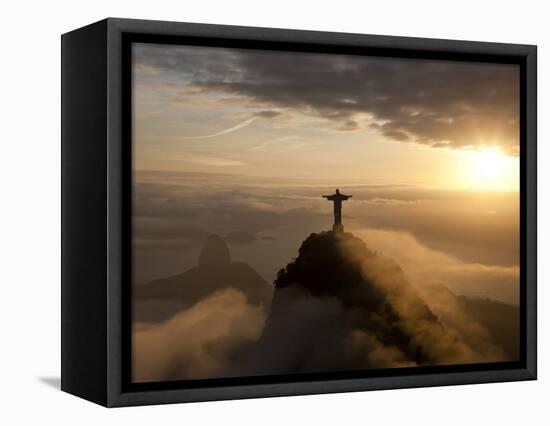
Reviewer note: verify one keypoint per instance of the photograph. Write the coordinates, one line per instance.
(280, 214)
(298, 212)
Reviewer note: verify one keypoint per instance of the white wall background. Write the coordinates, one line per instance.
(30, 212)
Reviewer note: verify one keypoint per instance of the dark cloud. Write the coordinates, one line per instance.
(267, 114)
(452, 104)
(348, 126)
(439, 103)
(198, 63)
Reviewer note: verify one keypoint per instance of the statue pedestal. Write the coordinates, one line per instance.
(337, 227)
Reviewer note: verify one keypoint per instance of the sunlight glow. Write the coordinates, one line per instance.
(489, 170)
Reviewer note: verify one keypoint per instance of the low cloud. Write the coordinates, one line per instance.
(200, 342)
(474, 227)
(428, 267)
(453, 338)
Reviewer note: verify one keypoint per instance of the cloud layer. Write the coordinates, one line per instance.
(437, 103)
(365, 316)
(471, 239)
(199, 342)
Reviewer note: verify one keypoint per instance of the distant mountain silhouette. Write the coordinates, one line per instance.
(214, 252)
(161, 299)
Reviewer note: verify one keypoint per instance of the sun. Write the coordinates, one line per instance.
(489, 165)
(489, 169)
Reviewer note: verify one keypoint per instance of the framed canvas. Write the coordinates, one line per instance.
(253, 212)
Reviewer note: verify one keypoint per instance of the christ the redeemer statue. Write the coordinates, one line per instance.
(337, 199)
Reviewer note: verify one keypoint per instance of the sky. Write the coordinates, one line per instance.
(243, 143)
(343, 118)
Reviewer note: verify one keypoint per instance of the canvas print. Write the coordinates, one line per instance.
(298, 212)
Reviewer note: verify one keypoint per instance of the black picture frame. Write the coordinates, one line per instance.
(96, 207)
